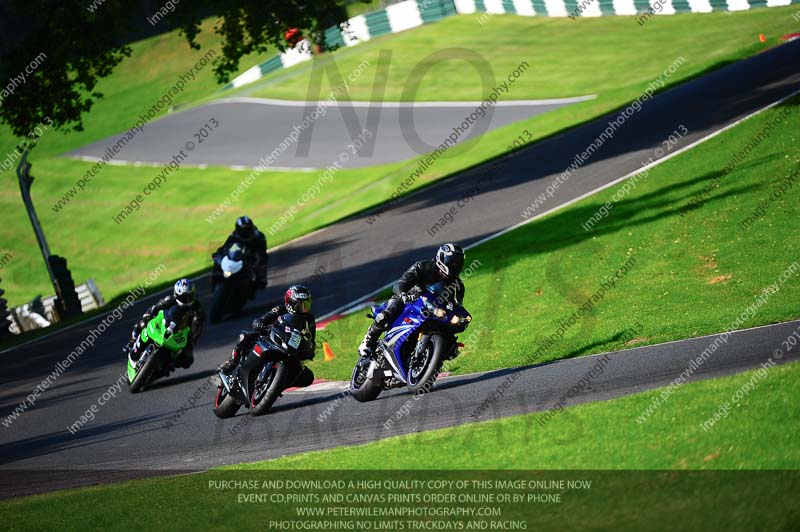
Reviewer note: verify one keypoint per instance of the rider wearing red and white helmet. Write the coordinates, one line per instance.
(297, 301)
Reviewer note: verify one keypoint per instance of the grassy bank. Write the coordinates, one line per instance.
(603, 435)
(691, 268)
(564, 57)
(586, 438)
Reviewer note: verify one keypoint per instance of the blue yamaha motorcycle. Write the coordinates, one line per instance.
(414, 348)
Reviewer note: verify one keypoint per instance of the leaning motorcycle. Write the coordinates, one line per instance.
(270, 367)
(413, 350)
(233, 282)
(153, 354)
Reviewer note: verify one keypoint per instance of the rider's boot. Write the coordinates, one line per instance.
(243, 346)
(370, 341)
(228, 365)
(137, 331)
(132, 340)
(132, 348)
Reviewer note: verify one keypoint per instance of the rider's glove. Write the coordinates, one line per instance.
(257, 324)
(167, 333)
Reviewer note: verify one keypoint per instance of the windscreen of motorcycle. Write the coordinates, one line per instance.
(445, 294)
(230, 267)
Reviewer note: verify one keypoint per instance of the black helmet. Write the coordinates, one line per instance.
(297, 299)
(450, 260)
(245, 229)
(184, 292)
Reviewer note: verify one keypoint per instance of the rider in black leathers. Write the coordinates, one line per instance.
(183, 295)
(247, 235)
(446, 266)
(297, 301)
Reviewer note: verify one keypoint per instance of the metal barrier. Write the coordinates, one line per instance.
(40, 313)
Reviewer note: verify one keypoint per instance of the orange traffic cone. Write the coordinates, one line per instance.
(326, 349)
(762, 38)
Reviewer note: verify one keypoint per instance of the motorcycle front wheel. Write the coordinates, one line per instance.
(144, 373)
(423, 368)
(218, 299)
(224, 405)
(362, 388)
(266, 393)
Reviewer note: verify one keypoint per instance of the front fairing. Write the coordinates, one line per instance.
(296, 333)
(407, 326)
(230, 268)
(264, 355)
(157, 327)
(421, 317)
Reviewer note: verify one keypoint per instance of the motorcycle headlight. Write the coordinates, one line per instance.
(226, 274)
(454, 320)
(439, 313)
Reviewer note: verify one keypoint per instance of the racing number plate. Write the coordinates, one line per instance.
(294, 340)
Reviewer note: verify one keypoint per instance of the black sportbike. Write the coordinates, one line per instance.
(275, 363)
(233, 281)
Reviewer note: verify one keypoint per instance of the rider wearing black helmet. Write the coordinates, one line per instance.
(445, 266)
(246, 234)
(183, 295)
(296, 301)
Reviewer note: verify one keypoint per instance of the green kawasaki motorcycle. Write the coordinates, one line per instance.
(154, 352)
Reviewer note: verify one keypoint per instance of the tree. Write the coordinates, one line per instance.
(53, 52)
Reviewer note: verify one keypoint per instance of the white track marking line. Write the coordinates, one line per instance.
(360, 103)
(343, 385)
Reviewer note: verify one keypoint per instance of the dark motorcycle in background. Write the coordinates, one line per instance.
(274, 364)
(233, 282)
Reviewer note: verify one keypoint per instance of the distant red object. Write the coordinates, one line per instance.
(791, 37)
(293, 36)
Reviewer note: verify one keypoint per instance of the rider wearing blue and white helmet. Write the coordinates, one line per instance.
(190, 312)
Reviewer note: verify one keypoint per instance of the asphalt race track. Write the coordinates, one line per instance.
(128, 437)
(241, 131)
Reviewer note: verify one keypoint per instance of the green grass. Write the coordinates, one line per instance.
(565, 56)
(119, 256)
(693, 274)
(359, 7)
(602, 435)
(115, 255)
(135, 85)
(586, 438)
